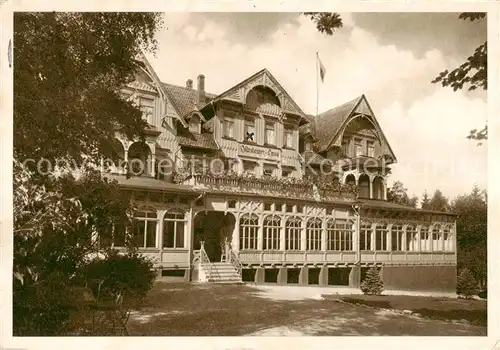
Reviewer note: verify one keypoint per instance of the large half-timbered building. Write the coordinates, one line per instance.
(243, 185)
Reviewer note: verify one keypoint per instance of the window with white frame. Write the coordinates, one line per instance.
(147, 107)
(339, 235)
(370, 149)
(411, 238)
(115, 237)
(269, 135)
(293, 229)
(249, 132)
(448, 239)
(146, 222)
(249, 228)
(358, 147)
(425, 245)
(381, 237)
(173, 229)
(228, 127)
(397, 238)
(272, 229)
(313, 234)
(365, 235)
(288, 137)
(436, 238)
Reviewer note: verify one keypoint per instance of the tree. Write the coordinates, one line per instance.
(372, 284)
(472, 232)
(472, 73)
(398, 194)
(67, 105)
(326, 22)
(69, 70)
(425, 201)
(438, 202)
(466, 284)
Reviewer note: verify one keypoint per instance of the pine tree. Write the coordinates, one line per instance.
(372, 284)
(424, 204)
(466, 284)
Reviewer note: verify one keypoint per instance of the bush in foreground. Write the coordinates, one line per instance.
(372, 284)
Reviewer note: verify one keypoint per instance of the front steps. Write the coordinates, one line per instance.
(219, 272)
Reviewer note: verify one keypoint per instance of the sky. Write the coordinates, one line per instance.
(390, 57)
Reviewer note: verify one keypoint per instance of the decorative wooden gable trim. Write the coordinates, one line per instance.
(362, 108)
(239, 92)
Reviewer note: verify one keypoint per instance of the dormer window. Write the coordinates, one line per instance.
(194, 125)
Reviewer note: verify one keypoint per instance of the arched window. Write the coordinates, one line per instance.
(116, 160)
(350, 180)
(381, 237)
(365, 238)
(411, 238)
(139, 159)
(249, 228)
(272, 229)
(313, 234)
(424, 239)
(293, 231)
(339, 235)
(448, 239)
(174, 224)
(378, 188)
(436, 238)
(397, 238)
(146, 222)
(364, 186)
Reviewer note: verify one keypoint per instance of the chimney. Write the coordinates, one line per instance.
(189, 83)
(201, 88)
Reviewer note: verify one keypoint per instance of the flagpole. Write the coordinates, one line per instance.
(317, 83)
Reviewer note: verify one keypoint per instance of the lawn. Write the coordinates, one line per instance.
(473, 311)
(186, 309)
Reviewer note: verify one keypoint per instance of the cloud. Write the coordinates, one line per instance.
(422, 121)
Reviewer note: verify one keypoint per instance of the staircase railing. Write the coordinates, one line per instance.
(233, 258)
(205, 260)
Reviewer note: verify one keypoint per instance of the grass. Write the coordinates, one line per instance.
(474, 311)
(185, 309)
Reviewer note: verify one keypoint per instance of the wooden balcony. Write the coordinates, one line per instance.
(270, 187)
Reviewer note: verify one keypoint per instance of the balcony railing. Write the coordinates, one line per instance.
(287, 187)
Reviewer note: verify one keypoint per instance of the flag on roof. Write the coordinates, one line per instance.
(322, 70)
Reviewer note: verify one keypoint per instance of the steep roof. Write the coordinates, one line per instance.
(184, 99)
(328, 123)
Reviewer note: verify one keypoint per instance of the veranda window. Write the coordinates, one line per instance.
(411, 238)
(272, 229)
(448, 239)
(313, 234)
(436, 238)
(293, 230)
(339, 235)
(146, 223)
(397, 238)
(173, 229)
(249, 228)
(115, 237)
(365, 235)
(381, 237)
(424, 239)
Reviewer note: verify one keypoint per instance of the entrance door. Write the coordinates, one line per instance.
(212, 227)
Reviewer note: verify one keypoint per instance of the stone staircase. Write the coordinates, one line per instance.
(219, 272)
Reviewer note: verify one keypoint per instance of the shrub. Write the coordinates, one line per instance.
(130, 274)
(466, 284)
(372, 284)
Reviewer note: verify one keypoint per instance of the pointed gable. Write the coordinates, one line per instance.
(330, 125)
(264, 78)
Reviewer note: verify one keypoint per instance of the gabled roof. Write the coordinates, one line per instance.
(184, 99)
(329, 125)
(265, 78)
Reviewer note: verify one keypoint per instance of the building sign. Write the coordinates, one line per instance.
(259, 152)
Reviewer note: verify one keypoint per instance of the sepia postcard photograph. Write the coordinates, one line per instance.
(247, 174)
